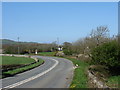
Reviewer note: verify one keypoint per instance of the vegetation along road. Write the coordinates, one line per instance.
(54, 73)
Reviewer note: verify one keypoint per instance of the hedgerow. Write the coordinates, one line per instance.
(107, 54)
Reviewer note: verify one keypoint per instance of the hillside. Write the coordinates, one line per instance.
(7, 41)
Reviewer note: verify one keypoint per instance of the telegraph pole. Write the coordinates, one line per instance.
(58, 41)
(18, 46)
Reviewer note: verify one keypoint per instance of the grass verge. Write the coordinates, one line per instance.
(80, 79)
(47, 53)
(114, 81)
(22, 69)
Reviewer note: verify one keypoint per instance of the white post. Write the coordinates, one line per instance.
(36, 51)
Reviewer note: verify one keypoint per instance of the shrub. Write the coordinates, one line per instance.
(67, 52)
(107, 54)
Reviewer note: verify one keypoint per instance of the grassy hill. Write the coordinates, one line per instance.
(7, 41)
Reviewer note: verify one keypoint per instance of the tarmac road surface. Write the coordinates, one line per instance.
(54, 73)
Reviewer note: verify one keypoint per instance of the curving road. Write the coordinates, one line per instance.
(54, 73)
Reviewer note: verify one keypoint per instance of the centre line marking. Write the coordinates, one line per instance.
(33, 77)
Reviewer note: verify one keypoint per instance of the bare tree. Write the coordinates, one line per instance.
(100, 35)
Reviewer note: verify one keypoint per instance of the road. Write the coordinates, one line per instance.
(54, 73)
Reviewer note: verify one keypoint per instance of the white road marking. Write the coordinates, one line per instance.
(33, 77)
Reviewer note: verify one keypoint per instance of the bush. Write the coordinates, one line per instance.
(67, 52)
(107, 54)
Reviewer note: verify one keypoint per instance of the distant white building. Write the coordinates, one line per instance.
(60, 48)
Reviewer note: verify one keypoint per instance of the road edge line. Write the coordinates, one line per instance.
(33, 77)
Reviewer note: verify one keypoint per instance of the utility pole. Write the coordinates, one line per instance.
(18, 46)
(58, 41)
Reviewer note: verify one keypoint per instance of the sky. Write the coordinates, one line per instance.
(44, 22)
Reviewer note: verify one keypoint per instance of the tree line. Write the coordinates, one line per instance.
(28, 48)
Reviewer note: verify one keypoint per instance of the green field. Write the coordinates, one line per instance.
(47, 53)
(8, 60)
(11, 60)
(22, 69)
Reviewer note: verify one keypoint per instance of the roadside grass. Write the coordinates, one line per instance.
(114, 81)
(8, 60)
(80, 79)
(0, 60)
(47, 53)
(22, 69)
